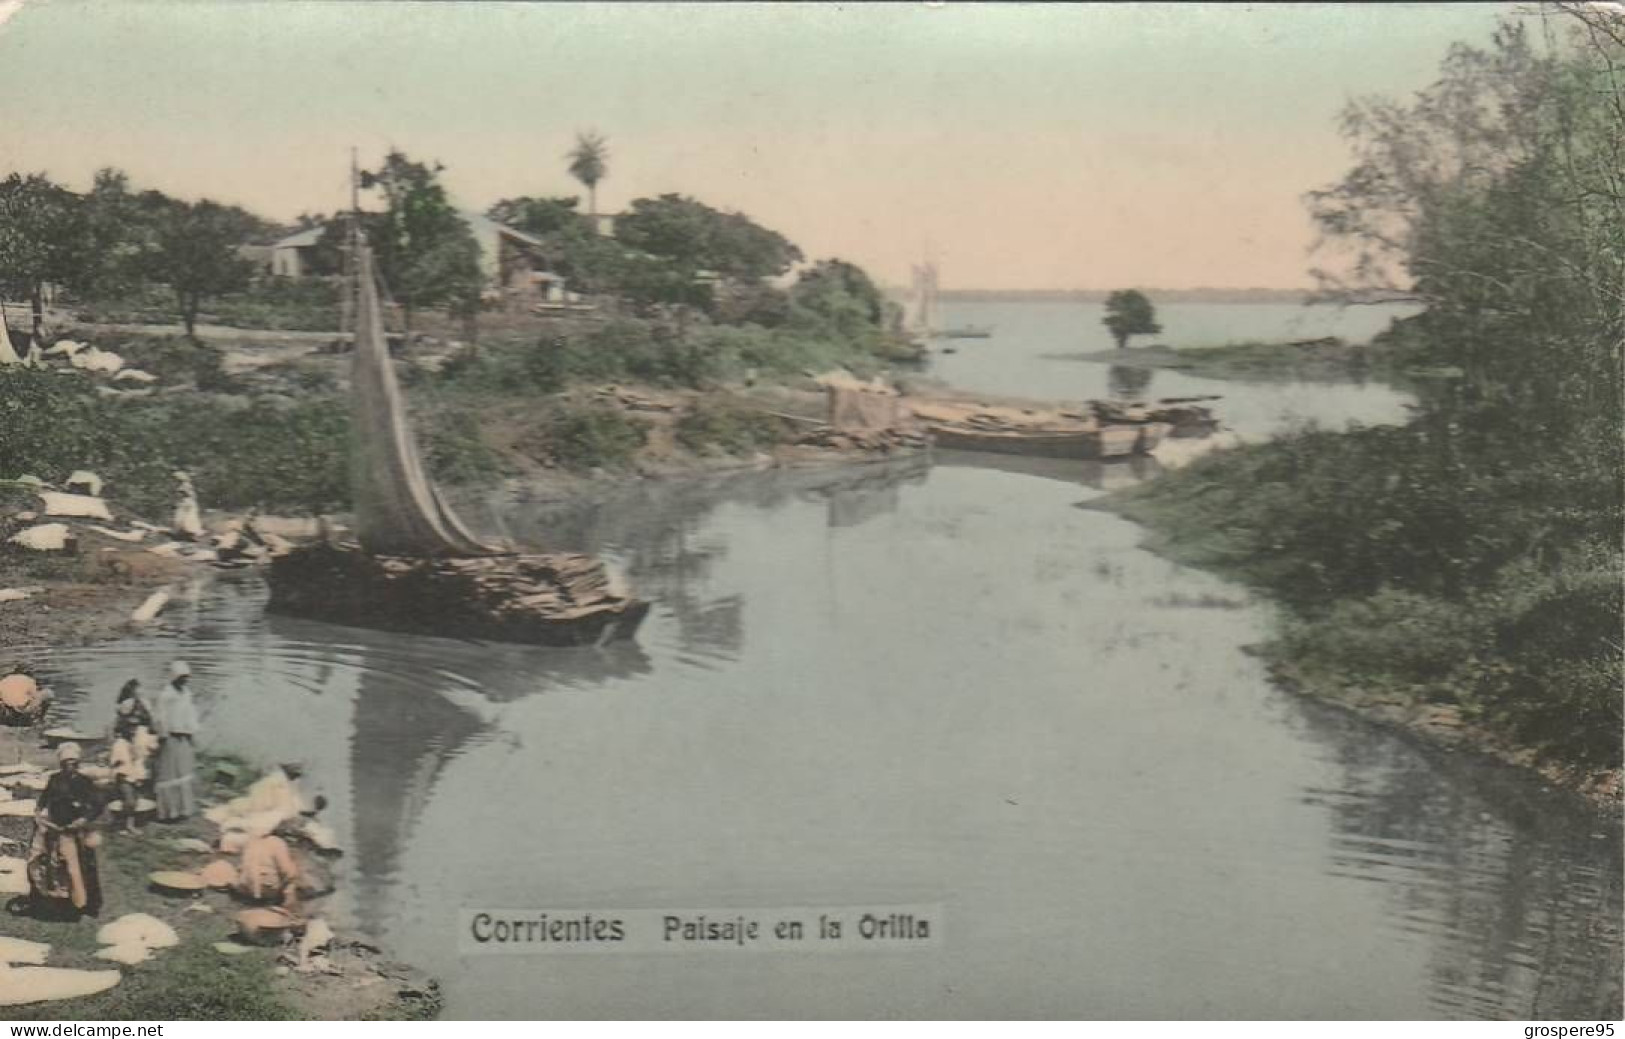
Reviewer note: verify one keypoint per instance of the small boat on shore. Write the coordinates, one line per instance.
(1083, 443)
(966, 332)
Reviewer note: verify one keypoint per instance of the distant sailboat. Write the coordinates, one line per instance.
(924, 312)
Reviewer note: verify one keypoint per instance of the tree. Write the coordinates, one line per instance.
(840, 296)
(425, 251)
(44, 239)
(589, 163)
(695, 236)
(196, 253)
(1129, 313)
(1497, 197)
(538, 216)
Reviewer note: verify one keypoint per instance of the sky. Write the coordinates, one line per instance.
(1016, 145)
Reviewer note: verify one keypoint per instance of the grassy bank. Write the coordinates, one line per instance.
(193, 981)
(274, 435)
(1319, 360)
(1448, 570)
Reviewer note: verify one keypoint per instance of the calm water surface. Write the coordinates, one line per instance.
(1035, 347)
(945, 685)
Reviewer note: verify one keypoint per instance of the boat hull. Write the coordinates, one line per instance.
(1090, 445)
(545, 600)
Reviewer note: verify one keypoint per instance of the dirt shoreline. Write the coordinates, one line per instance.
(1443, 727)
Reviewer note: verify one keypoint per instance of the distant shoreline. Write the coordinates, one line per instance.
(1198, 295)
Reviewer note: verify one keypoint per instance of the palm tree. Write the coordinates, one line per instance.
(589, 163)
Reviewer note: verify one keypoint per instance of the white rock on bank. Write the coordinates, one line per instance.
(151, 608)
(86, 479)
(18, 950)
(13, 875)
(120, 535)
(75, 506)
(138, 929)
(47, 537)
(21, 985)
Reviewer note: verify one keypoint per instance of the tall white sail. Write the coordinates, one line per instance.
(397, 510)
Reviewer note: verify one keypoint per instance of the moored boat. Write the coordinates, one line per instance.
(1084, 443)
(966, 332)
(414, 565)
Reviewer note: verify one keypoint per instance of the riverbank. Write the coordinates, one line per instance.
(89, 598)
(1312, 360)
(205, 975)
(1396, 557)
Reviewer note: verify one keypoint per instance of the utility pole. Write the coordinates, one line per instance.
(348, 250)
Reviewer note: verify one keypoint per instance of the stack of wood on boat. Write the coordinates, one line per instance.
(884, 441)
(554, 599)
(968, 426)
(1185, 418)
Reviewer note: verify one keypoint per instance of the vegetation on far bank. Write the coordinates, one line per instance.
(684, 297)
(1470, 558)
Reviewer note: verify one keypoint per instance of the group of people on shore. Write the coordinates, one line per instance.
(152, 752)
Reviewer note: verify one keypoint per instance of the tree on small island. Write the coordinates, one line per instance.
(1129, 313)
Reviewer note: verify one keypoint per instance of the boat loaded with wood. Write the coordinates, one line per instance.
(1102, 430)
(414, 566)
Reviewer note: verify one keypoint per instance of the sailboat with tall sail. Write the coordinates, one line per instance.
(415, 566)
(924, 311)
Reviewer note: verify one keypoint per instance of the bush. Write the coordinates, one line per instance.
(456, 453)
(587, 436)
(241, 454)
(728, 427)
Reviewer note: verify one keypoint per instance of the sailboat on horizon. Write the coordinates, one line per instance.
(924, 311)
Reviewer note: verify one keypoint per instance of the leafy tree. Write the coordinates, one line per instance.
(195, 254)
(44, 239)
(589, 163)
(695, 236)
(1497, 197)
(426, 253)
(1129, 313)
(539, 216)
(840, 296)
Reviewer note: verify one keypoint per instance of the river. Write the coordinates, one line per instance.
(941, 686)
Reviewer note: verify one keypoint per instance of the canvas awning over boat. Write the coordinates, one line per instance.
(397, 510)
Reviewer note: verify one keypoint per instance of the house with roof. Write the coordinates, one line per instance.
(290, 257)
(514, 263)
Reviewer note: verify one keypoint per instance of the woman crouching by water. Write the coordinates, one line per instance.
(175, 783)
(62, 874)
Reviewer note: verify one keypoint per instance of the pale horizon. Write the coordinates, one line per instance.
(1020, 147)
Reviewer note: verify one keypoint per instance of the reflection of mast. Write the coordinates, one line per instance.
(404, 737)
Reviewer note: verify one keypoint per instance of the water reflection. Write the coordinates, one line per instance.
(907, 686)
(1517, 888)
(402, 736)
(1129, 383)
(1098, 475)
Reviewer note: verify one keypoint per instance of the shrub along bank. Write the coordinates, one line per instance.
(1463, 560)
